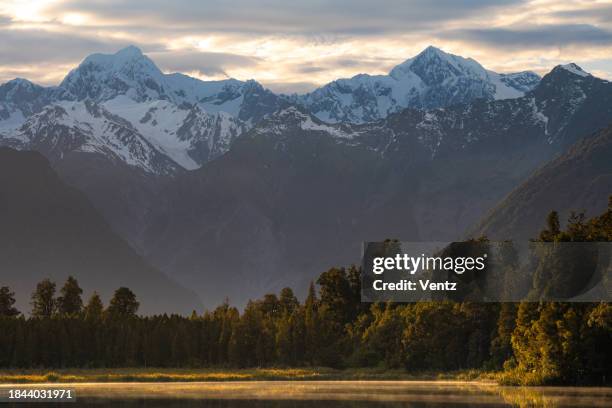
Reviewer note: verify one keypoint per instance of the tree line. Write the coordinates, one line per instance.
(531, 342)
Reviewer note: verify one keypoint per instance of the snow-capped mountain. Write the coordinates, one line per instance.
(20, 98)
(87, 127)
(156, 136)
(432, 79)
(186, 120)
(117, 126)
(103, 77)
(190, 122)
(417, 175)
(565, 102)
(186, 133)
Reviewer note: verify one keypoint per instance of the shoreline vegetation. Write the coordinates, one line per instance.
(160, 375)
(65, 340)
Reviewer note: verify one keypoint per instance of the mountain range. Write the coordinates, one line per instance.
(235, 191)
(123, 106)
(432, 79)
(295, 195)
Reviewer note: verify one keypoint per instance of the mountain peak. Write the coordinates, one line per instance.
(126, 56)
(23, 94)
(104, 76)
(431, 50)
(130, 50)
(434, 66)
(19, 85)
(431, 79)
(561, 75)
(19, 82)
(574, 69)
(424, 57)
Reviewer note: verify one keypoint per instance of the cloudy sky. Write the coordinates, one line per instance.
(295, 47)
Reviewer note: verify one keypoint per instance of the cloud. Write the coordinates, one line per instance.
(313, 17)
(600, 13)
(35, 46)
(309, 69)
(204, 63)
(293, 46)
(551, 35)
(290, 87)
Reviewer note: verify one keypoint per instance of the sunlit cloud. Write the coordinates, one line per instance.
(27, 11)
(294, 47)
(76, 19)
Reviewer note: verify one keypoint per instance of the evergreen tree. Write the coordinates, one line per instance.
(337, 296)
(382, 340)
(435, 336)
(353, 275)
(501, 346)
(269, 306)
(123, 304)
(70, 302)
(553, 227)
(288, 302)
(245, 339)
(311, 324)
(43, 300)
(94, 308)
(7, 302)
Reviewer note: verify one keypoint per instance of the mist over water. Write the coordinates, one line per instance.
(327, 394)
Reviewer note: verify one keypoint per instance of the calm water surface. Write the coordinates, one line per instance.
(324, 394)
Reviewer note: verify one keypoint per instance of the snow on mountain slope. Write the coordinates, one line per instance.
(558, 110)
(157, 136)
(214, 96)
(188, 135)
(69, 127)
(293, 119)
(189, 121)
(103, 77)
(20, 98)
(575, 69)
(432, 79)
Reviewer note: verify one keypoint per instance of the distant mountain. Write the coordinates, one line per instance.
(233, 190)
(123, 106)
(155, 136)
(578, 180)
(104, 77)
(50, 230)
(191, 122)
(288, 200)
(432, 79)
(295, 195)
(20, 99)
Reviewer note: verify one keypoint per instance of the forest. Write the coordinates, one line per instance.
(528, 343)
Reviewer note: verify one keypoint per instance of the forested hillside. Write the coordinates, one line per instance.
(533, 343)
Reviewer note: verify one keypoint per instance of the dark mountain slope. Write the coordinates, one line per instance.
(51, 230)
(275, 211)
(294, 195)
(580, 179)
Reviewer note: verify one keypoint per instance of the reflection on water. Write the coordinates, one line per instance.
(327, 394)
(257, 404)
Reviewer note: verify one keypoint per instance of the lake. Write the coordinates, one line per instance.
(323, 394)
